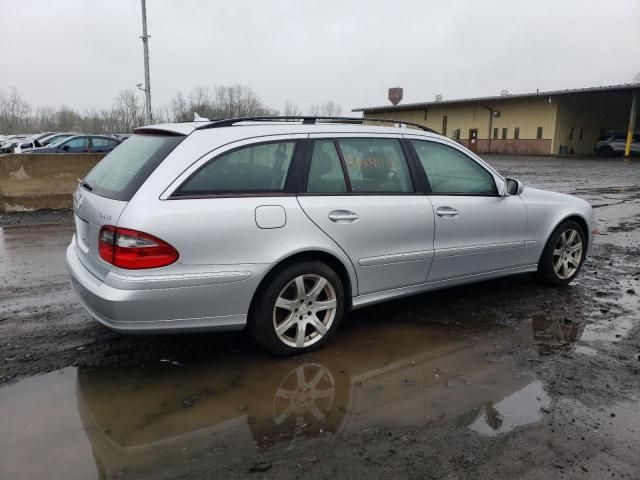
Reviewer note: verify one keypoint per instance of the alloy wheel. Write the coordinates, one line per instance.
(304, 310)
(567, 253)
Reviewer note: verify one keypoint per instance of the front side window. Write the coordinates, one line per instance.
(254, 168)
(450, 172)
(376, 165)
(325, 171)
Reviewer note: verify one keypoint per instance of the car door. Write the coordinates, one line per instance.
(477, 229)
(75, 145)
(99, 145)
(360, 192)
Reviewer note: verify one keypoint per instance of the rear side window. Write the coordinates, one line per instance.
(119, 175)
(251, 169)
(325, 171)
(99, 141)
(376, 165)
(450, 172)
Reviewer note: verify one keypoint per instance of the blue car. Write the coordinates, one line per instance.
(79, 144)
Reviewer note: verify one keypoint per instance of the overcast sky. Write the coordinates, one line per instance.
(82, 52)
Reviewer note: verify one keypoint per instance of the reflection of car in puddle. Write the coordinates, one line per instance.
(305, 396)
(408, 375)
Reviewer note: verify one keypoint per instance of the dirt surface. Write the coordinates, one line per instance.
(503, 379)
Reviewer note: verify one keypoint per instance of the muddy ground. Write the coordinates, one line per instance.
(503, 379)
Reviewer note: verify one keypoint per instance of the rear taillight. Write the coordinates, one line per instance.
(131, 249)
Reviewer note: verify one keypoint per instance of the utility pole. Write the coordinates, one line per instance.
(147, 84)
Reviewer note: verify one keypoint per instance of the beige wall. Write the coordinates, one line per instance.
(39, 181)
(527, 114)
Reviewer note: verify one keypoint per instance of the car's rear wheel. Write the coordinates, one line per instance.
(606, 151)
(299, 309)
(563, 254)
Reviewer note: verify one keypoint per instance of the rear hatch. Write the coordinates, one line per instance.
(105, 192)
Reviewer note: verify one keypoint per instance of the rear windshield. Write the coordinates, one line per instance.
(119, 175)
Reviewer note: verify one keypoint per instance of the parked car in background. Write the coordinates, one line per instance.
(283, 227)
(31, 142)
(121, 136)
(11, 143)
(79, 144)
(55, 137)
(615, 143)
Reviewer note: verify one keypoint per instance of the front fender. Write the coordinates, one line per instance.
(545, 211)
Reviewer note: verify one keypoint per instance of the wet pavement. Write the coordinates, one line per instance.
(503, 379)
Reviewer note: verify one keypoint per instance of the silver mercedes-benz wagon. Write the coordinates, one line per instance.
(283, 226)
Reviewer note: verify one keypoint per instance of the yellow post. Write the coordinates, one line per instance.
(632, 124)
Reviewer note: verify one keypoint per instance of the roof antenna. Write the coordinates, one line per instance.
(198, 118)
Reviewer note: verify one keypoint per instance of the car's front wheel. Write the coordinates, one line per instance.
(299, 309)
(605, 151)
(563, 254)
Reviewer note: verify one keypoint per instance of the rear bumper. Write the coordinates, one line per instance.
(179, 308)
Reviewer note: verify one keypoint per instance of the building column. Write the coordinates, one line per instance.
(632, 123)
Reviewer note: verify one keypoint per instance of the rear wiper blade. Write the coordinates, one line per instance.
(85, 185)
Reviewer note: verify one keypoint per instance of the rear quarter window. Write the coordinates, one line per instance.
(120, 174)
(254, 168)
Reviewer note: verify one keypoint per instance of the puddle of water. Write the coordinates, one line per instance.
(519, 408)
(94, 423)
(553, 334)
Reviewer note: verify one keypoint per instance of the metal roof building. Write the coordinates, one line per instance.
(552, 122)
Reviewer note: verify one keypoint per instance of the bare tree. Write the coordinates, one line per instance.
(326, 109)
(13, 111)
(45, 119)
(201, 102)
(179, 108)
(162, 114)
(128, 111)
(291, 109)
(67, 120)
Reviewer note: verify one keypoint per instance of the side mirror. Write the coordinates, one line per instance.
(513, 186)
(65, 147)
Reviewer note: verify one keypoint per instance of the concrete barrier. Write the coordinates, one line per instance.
(30, 181)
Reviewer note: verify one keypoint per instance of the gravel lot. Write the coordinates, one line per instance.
(504, 379)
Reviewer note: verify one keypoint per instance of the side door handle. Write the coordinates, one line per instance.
(447, 212)
(343, 216)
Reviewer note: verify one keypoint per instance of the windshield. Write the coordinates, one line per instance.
(55, 140)
(119, 175)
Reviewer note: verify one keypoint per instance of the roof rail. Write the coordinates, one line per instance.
(307, 120)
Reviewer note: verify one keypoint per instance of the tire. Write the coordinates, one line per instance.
(553, 270)
(296, 310)
(605, 151)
